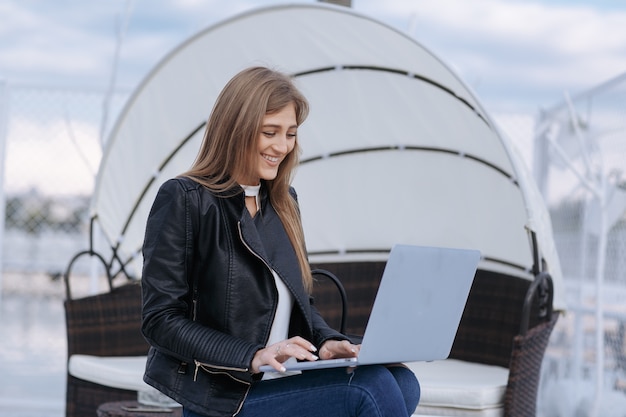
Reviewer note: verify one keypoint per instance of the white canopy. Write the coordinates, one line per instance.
(396, 148)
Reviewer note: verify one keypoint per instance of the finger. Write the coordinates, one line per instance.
(286, 349)
(299, 352)
(266, 356)
(300, 348)
(275, 355)
(327, 352)
(276, 365)
(302, 342)
(338, 349)
(281, 349)
(349, 348)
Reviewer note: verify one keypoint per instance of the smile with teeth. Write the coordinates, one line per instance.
(273, 159)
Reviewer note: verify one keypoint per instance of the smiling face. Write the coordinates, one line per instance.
(276, 140)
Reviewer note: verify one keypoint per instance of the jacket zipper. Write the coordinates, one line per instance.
(205, 367)
(269, 268)
(249, 248)
(213, 369)
(252, 251)
(209, 368)
(243, 401)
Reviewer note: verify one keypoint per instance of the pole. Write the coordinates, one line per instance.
(541, 158)
(586, 95)
(601, 258)
(346, 3)
(4, 108)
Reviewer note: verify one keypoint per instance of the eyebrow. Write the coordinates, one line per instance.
(279, 126)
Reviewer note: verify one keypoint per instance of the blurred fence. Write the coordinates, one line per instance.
(580, 167)
(52, 149)
(53, 141)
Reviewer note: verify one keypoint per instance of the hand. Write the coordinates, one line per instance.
(274, 355)
(332, 349)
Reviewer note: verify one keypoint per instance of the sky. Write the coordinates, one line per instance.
(517, 55)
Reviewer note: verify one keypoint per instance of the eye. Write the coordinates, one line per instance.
(292, 135)
(269, 134)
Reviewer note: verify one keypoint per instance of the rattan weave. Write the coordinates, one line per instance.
(525, 369)
(489, 331)
(103, 325)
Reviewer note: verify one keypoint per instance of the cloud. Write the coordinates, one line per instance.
(56, 157)
(504, 48)
(518, 56)
(509, 51)
(73, 42)
(40, 44)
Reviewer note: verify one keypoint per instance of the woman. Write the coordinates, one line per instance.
(226, 282)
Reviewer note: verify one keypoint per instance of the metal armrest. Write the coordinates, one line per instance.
(541, 289)
(342, 293)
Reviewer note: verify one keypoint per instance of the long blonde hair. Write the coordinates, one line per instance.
(230, 139)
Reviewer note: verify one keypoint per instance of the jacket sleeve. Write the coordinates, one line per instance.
(168, 323)
(322, 331)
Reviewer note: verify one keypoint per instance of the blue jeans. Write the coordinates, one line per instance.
(367, 391)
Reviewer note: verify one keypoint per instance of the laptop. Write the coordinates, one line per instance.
(417, 309)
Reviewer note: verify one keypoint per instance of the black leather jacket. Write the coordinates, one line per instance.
(209, 297)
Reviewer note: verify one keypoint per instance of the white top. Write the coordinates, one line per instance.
(252, 191)
(280, 325)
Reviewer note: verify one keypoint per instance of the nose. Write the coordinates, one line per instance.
(281, 144)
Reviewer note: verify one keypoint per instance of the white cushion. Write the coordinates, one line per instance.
(425, 411)
(448, 388)
(452, 387)
(123, 372)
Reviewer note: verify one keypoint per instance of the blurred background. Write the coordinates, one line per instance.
(551, 73)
